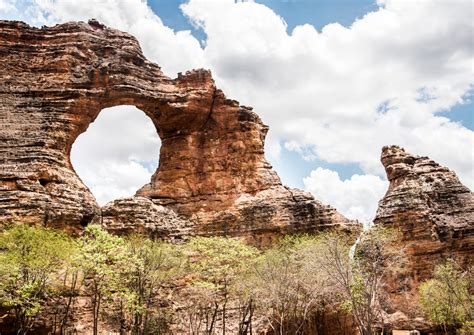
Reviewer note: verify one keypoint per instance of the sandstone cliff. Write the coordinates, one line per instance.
(212, 178)
(435, 214)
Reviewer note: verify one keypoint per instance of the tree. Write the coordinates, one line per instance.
(30, 262)
(104, 258)
(65, 291)
(447, 298)
(157, 264)
(358, 272)
(287, 286)
(215, 263)
(201, 305)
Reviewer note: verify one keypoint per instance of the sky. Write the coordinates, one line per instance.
(335, 80)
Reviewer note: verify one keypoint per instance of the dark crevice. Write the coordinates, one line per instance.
(46, 217)
(86, 219)
(211, 109)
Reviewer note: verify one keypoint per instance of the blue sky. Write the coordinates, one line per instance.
(462, 113)
(291, 167)
(318, 79)
(295, 12)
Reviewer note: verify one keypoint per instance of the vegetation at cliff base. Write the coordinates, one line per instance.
(209, 285)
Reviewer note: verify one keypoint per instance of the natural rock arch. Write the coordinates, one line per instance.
(212, 177)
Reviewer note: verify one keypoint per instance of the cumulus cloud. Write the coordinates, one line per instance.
(344, 92)
(356, 198)
(337, 95)
(109, 180)
(117, 154)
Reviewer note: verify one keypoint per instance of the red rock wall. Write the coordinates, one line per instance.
(212, 178)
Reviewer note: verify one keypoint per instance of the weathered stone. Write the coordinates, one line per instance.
(212, 177)
(435, 214)
(149, 219)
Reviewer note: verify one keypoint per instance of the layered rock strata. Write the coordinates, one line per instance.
(435, 214)
(212, 176)
(434, 211)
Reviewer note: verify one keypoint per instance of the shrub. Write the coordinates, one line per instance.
(31, 259)
(446, 299)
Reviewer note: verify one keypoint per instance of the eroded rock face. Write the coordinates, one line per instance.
(212, 177)
(435, 214)
(259, 218)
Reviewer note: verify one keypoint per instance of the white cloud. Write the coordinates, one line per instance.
(338, 94)
(356, 198)
(109, 180)
(323, 91)
(117, 154)
(7, 6)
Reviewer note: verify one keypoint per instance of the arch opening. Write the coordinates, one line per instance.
(117, 154)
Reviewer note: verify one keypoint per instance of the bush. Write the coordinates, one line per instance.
(446, 299)
(157, 265)
(215, 265)
(31, 260)
(287, 286)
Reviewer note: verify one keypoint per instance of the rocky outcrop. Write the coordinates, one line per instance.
(435, 214)
(149, 219)
(212, 176)
(259, 218)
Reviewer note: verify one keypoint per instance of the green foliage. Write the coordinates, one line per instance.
(105, 259)
(30, 261)
(156, 265)
(356, 271)
(286, 284)
(467, 328)
(217, 261)
(215, 265)
(446, 299)
(135, 279)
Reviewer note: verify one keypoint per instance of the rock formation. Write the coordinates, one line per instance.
(212, 176)
(435, 214)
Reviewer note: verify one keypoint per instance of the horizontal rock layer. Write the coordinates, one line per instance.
(212, 176)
